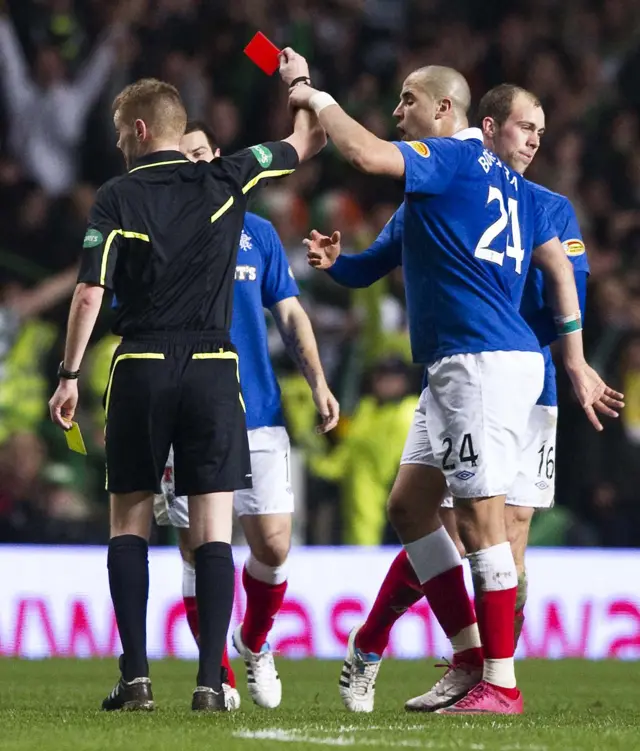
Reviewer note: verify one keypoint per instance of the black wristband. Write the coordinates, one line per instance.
(300, 79)
(69, 375)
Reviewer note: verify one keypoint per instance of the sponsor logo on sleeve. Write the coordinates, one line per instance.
(92, 239)
(573, 247)
(263, 155)
(420, 148)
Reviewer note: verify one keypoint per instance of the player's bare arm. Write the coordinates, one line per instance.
(298, 337)
(322, 251)
(85, 306)
(360, 147)
(590, 389)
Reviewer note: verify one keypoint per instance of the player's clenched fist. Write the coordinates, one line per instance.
(322, 251)
(292, 66)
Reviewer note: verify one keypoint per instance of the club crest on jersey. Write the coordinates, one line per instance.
(420, 148)
(245, 241)
(573, 247)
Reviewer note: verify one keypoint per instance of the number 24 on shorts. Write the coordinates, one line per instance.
(466, 453)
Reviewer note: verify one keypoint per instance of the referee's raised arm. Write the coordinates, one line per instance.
(249, 168)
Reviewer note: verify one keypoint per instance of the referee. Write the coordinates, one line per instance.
(164, 238)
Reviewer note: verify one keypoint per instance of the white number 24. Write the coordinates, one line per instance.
(514, 251)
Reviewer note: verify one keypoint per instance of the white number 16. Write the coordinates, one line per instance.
(514, 251)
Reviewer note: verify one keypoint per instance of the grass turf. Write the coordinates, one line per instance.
(570, 705)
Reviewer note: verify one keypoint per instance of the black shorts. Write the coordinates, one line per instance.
(182, 391)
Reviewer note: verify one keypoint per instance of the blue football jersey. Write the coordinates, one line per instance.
(263, 278)
(470, 225)
(534, 306)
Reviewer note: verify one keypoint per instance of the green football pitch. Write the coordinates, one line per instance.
(570, 705)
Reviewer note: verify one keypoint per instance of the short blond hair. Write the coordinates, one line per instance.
(157, 103)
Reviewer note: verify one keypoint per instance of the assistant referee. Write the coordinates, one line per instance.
(164, 239)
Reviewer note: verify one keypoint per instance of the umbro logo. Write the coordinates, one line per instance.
(465, 475)
(542, 485)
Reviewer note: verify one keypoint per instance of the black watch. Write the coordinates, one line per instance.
(69, 375)
(300, 79)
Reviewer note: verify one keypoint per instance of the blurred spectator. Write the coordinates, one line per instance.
(47, 110)
(365, 461)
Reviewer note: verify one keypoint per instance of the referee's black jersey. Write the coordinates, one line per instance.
(164, 237)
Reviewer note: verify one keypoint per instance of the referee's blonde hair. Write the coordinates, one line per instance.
(156, 102)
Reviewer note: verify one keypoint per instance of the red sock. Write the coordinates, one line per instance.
(448, 599)
(496, 628)
(191, 609)
(398, 592)
(263, 603)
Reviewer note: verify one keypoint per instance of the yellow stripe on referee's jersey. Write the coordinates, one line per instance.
(107, 247)
(222, 209)
(263, 175)
(222, 355)
(158, 164)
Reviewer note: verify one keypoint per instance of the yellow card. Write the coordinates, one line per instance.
(74, 439)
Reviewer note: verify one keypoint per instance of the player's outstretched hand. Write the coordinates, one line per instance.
(594, 395)
(63, 403)
(328, 407)
(322, 251)
(300, 96)
(292, 66)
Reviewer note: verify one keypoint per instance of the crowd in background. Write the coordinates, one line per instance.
(61, 64)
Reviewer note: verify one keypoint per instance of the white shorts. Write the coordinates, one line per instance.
(534, 486)
(271, 492)
(471, 420)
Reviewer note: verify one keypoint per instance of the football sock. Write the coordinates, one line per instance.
(398, 592)
(215, 581)
(191, 610)
(128, 567)
(265, 587)
(494, 571)
(438, 566)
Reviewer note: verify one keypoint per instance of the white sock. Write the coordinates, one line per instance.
(433, 554)
(188, 580)
(268, 574)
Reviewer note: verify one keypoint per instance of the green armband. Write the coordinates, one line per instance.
(568, 324)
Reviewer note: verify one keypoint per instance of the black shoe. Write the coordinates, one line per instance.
(135, 695)
(205, 699)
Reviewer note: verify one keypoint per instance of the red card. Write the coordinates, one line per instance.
(263, 53)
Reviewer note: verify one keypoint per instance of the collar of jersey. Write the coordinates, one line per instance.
(158, 159)
(468, 133)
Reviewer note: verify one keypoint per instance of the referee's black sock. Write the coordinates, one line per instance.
(215, 580)
(129, 584)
